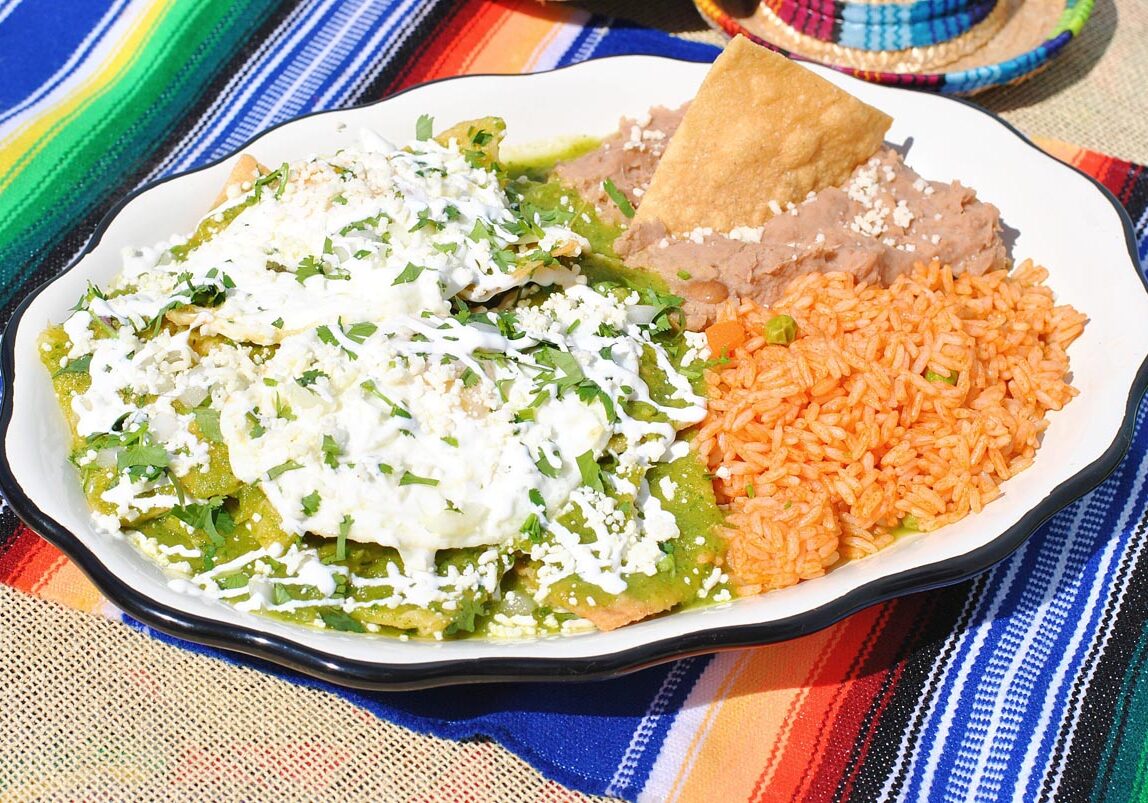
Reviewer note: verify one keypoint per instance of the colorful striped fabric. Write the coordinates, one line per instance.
(1025, 683)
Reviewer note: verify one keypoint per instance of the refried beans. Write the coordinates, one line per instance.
(884, 220)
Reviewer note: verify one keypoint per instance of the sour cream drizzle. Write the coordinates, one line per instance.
(383, 415)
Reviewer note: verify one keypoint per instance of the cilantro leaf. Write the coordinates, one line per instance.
(618, 197)
(207, 420)
(311, 503)
(590, 470)
(341, 544)
(331, 451)
(424, 127)
(413, 479)
(80, 365)
(408, 274)
(339, 620)
(282, 468)
(545, 466)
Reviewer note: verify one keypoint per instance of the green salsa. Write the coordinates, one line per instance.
(208, 523)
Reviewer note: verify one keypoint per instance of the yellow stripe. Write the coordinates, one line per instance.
(719, 698)
(513, 45)
(761, 701)
(24, 143)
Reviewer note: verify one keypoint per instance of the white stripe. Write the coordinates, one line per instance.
(108, 44)
(77, 56)
(963, 671)
(7, 9)
(1003, 713)
(594, 38)
(1100, 644)
(224, 98)
(369, 50)
(1095, 649)
(687, 727)
(317, 60)
(557, 45)
(233, 106)
(641, 737)
(392, 48)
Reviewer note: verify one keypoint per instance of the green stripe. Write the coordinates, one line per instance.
(1122, 764)
(119, 131)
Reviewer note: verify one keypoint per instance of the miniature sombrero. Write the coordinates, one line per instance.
(953, 46)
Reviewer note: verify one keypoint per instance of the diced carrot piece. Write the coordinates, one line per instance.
(724, 337)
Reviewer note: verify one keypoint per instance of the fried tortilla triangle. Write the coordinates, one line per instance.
(762, 132)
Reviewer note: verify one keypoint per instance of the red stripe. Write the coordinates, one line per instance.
(26, 559)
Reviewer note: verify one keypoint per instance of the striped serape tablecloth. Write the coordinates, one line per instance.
(1027, 682)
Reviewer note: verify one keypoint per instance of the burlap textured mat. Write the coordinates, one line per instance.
(95, 711)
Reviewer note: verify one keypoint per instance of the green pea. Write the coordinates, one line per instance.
(781, 330)
(933, 376)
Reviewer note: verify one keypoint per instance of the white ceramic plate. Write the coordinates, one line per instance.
(1065, 221)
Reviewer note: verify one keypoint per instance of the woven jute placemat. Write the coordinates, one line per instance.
(96, 711)
(1095, 94)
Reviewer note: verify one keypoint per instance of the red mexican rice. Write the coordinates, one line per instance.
(898, 407)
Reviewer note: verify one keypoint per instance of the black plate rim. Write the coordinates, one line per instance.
(397, 676)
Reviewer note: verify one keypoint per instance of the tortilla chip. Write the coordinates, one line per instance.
(762, 129)
(247, 168)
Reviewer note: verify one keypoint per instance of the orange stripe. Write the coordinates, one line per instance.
(67, 585)
(513, 44)
(698, 739)
(770, 700)
(816, 724)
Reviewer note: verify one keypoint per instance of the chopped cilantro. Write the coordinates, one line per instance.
(532, 528)
(590, 470)
(79, 365)
(536, 497)
(211, 517)
(339, 199)
(358, 332)
(481, 231)
(618, 197)
(450, 440)
(341, 544)
(424, 127)
(309, 377)
(331, 451)
(233, 581)
(385, 469)
(373, 389)
(283, 410)
(257, 429)
(408, 274)
(339, 620)
(413, 479)
(282, 468)
(207, 420)
(277, 323)
(311, 503)
(545, 466)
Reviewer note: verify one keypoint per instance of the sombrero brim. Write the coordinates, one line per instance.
(1017, 41)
